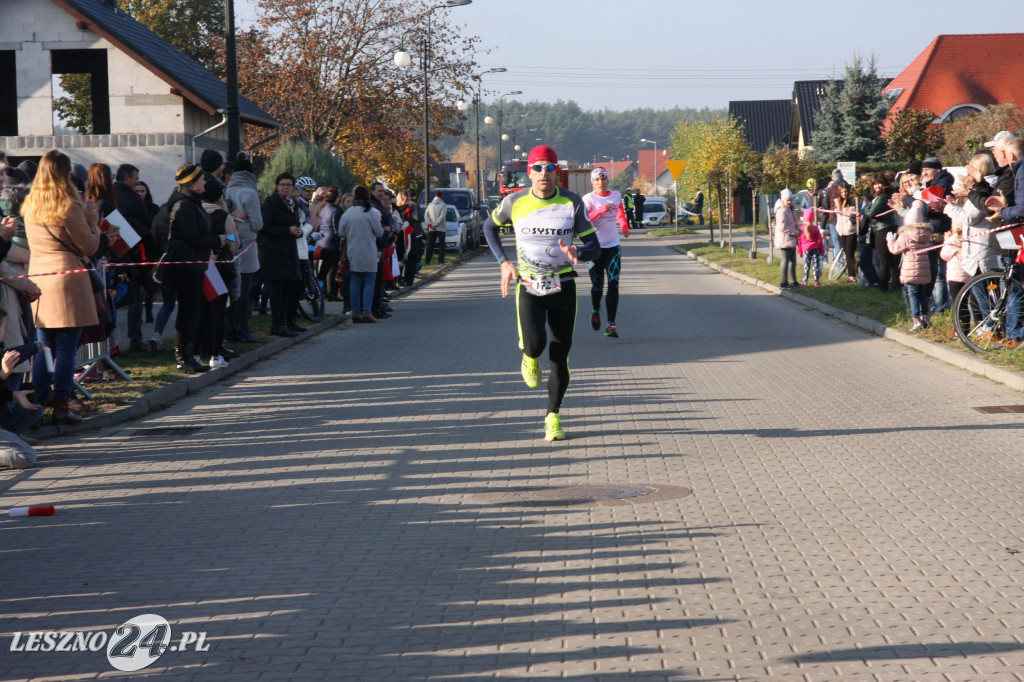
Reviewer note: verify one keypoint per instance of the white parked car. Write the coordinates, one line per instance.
(655, 212)
(455, 231)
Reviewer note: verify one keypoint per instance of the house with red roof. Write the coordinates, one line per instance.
(616, 167)
(652, 169)
(959, 75)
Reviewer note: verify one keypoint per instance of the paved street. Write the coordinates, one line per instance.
(826, 505)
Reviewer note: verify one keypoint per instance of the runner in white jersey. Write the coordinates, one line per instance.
(544, 219)
(605, 211)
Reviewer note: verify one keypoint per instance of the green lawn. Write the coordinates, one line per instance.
(890, 308)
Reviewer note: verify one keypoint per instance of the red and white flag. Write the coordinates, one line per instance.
(213, 284)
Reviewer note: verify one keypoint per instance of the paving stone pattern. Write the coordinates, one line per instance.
(852, 516)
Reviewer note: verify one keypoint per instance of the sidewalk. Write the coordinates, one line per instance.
(189, 384)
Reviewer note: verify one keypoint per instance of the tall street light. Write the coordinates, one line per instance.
(655, 163)
(501, 105)
(479, 84)
(404, 59)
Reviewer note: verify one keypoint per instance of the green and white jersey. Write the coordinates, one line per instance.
(538, 225)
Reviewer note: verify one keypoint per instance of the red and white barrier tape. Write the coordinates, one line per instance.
(125, 265)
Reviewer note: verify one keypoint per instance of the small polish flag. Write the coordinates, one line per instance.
(213, 284)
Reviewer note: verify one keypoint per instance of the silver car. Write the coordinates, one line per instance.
(655, 212)
(454, 231)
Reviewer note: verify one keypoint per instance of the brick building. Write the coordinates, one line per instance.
(152, 106)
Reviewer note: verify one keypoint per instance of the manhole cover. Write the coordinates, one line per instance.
(1001, 409)
(165, 431)
(585, 495)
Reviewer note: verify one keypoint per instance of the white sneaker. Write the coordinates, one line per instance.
(156, 343)
(218, 362)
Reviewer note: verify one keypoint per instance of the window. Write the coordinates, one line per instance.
(8, 94)
(960, 112)
(81, 92)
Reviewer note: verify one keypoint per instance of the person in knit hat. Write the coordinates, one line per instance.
(212, 163)
(190, 238)
(544, 219)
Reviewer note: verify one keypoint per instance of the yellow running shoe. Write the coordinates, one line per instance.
(553, 427)
(531, 371)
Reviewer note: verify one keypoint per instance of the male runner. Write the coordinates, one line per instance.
(544, 219)
(604, 209)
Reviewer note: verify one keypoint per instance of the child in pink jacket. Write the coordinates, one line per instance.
(955, 275)
(811, 246)
(915, 270)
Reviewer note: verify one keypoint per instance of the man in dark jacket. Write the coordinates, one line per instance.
(638, 207)
(133, 208)
(1008, 206)
(279, 262)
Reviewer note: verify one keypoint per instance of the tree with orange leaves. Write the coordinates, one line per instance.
(325, 68)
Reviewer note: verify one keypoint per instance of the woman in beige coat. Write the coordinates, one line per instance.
(53, 214)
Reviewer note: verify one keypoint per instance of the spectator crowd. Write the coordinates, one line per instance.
(77, 244)
(921, 231)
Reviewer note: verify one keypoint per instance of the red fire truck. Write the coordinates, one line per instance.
(514, 177)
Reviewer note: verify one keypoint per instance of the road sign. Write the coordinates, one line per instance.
(849, 171)
(675, 168)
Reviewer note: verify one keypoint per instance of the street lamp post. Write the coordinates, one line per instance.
(479, 84)
(403, 59)
(501, 105)
(231, 112)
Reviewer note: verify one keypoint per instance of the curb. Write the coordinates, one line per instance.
(188, 385)
(957, 358)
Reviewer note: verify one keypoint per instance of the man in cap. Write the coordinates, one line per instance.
(1007, 202)
(544, 220)
(1007, 206)
(606, 213)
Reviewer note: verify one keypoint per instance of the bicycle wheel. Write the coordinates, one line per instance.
(311, 302)
(982, 310)
(838, 266)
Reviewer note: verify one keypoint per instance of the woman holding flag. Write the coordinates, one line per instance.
(190, 239)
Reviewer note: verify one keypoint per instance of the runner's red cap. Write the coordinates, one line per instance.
(542, 152)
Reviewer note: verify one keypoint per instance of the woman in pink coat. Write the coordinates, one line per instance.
(915, 270)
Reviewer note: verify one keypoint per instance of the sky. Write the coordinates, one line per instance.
(666, 53)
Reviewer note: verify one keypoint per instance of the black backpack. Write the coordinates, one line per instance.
(161, 230)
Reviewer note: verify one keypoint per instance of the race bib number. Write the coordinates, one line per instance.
(543, 285)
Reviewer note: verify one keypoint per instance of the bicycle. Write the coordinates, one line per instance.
(311, 298)
(991, 304)
(838, 266)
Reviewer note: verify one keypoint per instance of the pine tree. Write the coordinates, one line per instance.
(852, 113)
